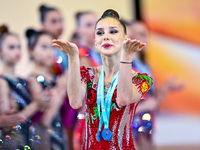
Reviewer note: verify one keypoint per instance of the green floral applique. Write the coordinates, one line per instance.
(96, 113)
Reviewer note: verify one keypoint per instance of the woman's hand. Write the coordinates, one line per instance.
(68, 48)
(9, 119)
(129, 47)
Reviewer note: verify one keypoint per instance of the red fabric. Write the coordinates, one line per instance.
(120, 119)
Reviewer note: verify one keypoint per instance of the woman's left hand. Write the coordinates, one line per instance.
(129, 47)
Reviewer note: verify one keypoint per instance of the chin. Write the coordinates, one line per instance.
(109, 52)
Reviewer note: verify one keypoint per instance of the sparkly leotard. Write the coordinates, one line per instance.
(120, 117)
(18, 137)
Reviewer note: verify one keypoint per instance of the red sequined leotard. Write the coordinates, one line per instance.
(120, 117)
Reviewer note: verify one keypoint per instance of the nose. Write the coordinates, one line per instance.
(106, 37)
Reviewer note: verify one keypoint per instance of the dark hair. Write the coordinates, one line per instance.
(44, 10)
(79, 14)
(4, 32)
(33, 36)
(112, 14)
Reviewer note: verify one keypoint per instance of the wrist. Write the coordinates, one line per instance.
(72, 58)
(125, 57)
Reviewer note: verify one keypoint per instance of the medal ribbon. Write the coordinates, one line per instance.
(104, 105)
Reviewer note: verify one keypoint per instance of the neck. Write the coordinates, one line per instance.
(8, 70)
(111, 64)
(41, 69)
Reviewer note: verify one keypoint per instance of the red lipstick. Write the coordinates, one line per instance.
(106, 45)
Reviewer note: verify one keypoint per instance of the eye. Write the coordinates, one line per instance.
(100, 32)
(89, 25)
(11, 47)
(113, 31)
(53, 21)
(44, 46)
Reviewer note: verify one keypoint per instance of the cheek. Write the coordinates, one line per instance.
(37, 55)
(8, 54)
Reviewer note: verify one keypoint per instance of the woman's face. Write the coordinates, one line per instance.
(43, 50)
(138, 31)
(109, 36)
(87, 27)
(11, 49)
(53, 23)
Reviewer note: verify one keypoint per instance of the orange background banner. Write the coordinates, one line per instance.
(174, 49)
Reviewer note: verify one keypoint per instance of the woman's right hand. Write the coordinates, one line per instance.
(9, 119)
(68, 48)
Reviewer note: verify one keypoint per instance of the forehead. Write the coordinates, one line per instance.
(45, 38)
(109, 22)
(11, 39)
(88, 17)
(53, 14)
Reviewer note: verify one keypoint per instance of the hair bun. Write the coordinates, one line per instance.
(3, 29)
(30, 32)
(110, 13)
(42, 8)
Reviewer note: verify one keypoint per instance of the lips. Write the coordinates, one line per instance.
(107, 45)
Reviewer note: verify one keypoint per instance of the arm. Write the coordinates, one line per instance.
(37, 94)
(7, 118)
(4, 96)
(76, 90)
(127, 92)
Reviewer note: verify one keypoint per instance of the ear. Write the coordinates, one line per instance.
(95, 43)
(126, 37)
(42, 26)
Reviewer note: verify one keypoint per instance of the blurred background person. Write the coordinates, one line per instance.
(48, 125)
(52, 21)
(144, 120)
(75, 38)
(15, 100)
(89, 57)
(85, 23)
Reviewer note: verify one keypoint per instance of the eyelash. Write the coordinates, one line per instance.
(111, 32)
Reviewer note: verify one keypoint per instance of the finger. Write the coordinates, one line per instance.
(135, 45)
(56, 45)
(8, 112)
(54, 40)
(70, 44)
(141, 47)
(133, 42)
(127, 42)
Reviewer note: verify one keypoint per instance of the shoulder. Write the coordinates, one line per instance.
(4, 84)
(143, 82)
(141, 77)
(3, 80)
(88, 73)
(31, 78)
(90, 70)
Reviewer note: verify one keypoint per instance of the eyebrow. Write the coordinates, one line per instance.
(102, 28)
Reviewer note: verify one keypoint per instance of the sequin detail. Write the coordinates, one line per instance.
(120, 118)
(143, 81)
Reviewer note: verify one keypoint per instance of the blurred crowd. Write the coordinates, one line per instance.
(35, 112)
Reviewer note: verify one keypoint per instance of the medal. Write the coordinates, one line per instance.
(104, 106)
